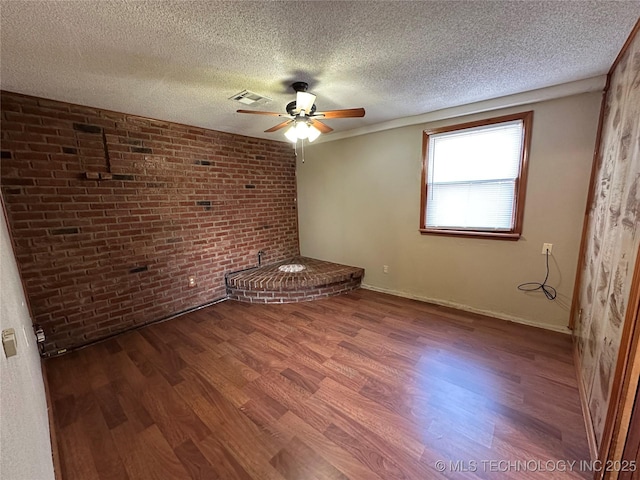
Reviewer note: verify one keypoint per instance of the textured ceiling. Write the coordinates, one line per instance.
(181, 60)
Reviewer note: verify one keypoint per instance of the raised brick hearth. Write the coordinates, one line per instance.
(268, 284)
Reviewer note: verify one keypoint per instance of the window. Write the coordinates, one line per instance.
(474, 178)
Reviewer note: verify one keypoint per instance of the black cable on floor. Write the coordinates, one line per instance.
(548, 290)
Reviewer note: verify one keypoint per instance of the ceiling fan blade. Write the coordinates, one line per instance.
(304, 101)
(255, 112)
(347, 113)
(279, 126)
(323, 127)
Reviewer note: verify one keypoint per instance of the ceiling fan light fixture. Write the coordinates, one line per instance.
(302, 130)
(304, 101)
(291, 134)
(313, 133)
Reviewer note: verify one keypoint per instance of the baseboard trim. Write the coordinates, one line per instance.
(467, 308)
(588, 423)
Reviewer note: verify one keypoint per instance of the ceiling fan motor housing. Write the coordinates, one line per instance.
(291, 108)
(300, 86)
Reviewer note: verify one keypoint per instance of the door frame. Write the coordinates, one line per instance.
(625, 382)
(631, 450)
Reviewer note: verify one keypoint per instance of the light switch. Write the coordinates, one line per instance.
(9, 342)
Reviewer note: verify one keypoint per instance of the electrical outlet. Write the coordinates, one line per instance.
(192, 282)
(385, 269)
(545, 247)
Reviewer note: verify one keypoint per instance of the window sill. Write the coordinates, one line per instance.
(471, 233)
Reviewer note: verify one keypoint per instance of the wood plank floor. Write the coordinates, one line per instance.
(364, 386)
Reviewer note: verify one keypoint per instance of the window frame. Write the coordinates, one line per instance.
(520, 184)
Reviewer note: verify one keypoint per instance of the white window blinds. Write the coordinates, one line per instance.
(472, 176)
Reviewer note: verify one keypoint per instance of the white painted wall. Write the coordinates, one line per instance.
(25, 445)
(359, 202)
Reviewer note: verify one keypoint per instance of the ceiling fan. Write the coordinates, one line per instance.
(303, 118)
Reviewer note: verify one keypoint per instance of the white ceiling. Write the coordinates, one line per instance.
(182, 60)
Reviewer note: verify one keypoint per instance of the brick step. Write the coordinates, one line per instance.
(268, 284)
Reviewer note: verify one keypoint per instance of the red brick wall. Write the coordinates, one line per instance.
(99, 256)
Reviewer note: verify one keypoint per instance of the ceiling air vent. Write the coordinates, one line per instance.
(250, 98)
